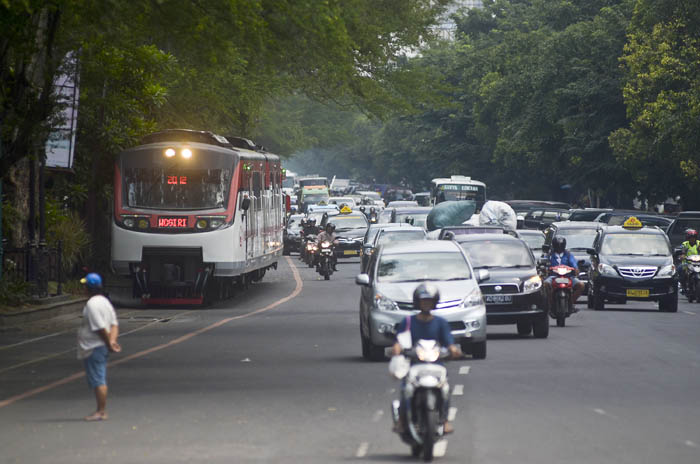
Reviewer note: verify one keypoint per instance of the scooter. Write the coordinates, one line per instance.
(563, 289)
(324, 261)
(692, 278)
(420, 420)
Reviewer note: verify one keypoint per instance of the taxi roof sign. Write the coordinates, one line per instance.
(346, 210)
(632, 223)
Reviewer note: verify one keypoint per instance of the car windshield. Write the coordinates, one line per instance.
(419, 219)
(313, 199)
(389, 236)
(578, 239)
(384, 217)
(635, 244)
(418, 267)
(584, 215)
(534, 241)
(348, 222)
(294, 225)
(498, 253)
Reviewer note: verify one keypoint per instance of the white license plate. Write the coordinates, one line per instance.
(498, 299)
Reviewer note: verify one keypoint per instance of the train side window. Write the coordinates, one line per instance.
(257, 189)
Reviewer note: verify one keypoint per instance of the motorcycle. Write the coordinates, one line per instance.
(324, 261)
(308, 248)
(692, 278)
(563, 288)
(420, 422)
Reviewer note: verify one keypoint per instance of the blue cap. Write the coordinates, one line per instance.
(92, 280)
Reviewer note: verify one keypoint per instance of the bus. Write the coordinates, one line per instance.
(458, 188)
(195, 214)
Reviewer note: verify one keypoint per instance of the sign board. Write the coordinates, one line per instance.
(60, 146)
(632, 223)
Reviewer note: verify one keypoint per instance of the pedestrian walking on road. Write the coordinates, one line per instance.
(97, 337)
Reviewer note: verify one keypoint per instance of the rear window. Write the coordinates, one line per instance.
(682, 224)
(400, 236)
(498, 253)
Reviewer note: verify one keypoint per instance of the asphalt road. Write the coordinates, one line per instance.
(275, 375)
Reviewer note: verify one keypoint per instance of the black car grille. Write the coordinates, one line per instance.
(405, 305)
(504, 289)
(457, 325)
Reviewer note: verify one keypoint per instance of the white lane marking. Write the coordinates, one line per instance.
(603, 412)
(32, 340)
(689, 312)
(464, 370)
(691, 444)
(362, 450)
(458, 390)
(377, 415)
(451, 414)
(440, 448)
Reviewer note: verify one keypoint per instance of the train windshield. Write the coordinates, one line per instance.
(453, 192)
(151, 182)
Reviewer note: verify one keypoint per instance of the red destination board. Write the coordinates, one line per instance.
(172, 222)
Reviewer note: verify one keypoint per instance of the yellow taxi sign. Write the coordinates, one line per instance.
(632, 223)
(346, 210)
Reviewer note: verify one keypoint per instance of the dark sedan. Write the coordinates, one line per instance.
(579, 237)
(350, 229)
(513, 294)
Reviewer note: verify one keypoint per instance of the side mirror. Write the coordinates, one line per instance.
(245, 203)
(591, 251)
(362, 279)
(545, 248)
(482, 275)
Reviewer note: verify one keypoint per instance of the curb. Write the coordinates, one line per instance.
(46, 311)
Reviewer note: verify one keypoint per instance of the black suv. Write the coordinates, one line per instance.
(632, 263)
(350, 228)
(513, 294)
(579, 237)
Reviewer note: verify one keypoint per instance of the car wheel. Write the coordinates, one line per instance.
(598, 300)
(524, 328)
(479, 350)
(669, 304)
(540, 326)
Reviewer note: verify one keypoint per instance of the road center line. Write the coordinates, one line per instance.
(362, 450)
(464, 370)
(458, 390)
(297, 290)
(440, 448)
(690, 313)
(451, 414)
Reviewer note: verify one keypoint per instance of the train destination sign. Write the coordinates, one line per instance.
(172, 222)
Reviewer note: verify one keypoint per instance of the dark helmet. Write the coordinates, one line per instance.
(691, 233)
(330, 228)
(426, 292)
(559, 244)
(311, 222)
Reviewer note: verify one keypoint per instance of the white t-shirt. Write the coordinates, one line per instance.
(98, 314)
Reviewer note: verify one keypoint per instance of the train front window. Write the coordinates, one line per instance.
(150, 181)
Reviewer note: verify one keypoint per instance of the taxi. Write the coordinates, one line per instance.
(632, 262)
(350, 228)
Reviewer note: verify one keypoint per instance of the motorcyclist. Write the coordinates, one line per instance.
(688, 248)
(328, 235)
(561, 256)
(308, 227)
(425, 326)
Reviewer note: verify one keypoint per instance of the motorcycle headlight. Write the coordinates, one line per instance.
(606, 269)
(383, 303)
(666, 271)
(532, 284)
(325, 244)
(473, 299)
(428, 354)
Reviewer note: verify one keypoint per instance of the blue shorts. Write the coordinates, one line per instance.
(96, 367)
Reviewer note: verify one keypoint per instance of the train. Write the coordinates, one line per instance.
(196, 215)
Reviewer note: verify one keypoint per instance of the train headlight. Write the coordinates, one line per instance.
(186, 153)
(129, 222)
(170, 152)
(216, 223)
(202, 224)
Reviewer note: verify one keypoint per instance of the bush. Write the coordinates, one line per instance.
(69, 228)
(13, 292)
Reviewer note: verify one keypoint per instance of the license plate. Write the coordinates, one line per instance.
(638, 293)
(350, 252)
(498, 299)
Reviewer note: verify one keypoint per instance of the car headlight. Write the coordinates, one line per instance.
(606, 269)
(532, 284)
(666, 271)
(473, 299)
(383, 303)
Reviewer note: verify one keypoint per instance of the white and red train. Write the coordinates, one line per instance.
(195, 214)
